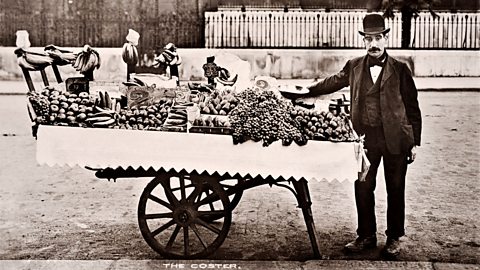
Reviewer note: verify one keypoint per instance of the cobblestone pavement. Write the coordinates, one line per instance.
(66, 213)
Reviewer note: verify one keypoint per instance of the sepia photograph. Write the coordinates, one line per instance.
(239, 134)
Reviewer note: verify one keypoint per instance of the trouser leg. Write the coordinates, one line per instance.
(395, 167)
(365, 196)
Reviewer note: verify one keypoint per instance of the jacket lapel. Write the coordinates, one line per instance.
(357, 86)
(361, 76)
(387, 71)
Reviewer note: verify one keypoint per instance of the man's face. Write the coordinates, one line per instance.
(375, 44)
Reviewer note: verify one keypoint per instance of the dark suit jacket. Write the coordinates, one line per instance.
(401, 116)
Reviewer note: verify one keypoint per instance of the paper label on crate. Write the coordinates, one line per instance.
(147, 95)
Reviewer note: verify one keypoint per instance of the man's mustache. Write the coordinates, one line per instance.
(374, 49)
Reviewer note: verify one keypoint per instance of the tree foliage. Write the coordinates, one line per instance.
(410, 7)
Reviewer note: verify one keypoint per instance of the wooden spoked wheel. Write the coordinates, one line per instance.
(228, 184)
(175, 215)
(234, 198)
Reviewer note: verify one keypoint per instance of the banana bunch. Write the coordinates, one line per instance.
(177, 117)
(224, 77)
(201, 87)
(87, 60)
(130, 54)
(168, 56)
(61, 56)
(102, 118)
(105, 102)
(32, 60)
(22, 62)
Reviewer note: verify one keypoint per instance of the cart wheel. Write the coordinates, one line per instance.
(171, 203)
(226, 184)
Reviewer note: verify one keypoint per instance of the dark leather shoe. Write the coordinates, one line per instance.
(361, 243)
(392, 248)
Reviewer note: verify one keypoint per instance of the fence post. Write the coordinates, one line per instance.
(206, 31)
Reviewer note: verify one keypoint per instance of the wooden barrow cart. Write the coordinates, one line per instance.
(185, 212)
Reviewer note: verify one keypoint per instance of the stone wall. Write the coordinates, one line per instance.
(279, 63)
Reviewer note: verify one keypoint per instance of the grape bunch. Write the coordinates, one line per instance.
(40, 105)
(262, 116)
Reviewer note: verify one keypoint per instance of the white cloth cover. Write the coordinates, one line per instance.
(102, 148)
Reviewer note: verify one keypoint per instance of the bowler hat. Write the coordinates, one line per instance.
(373, 24)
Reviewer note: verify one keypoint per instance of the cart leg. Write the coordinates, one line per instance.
(44, 77)
(304, 202)
(28, 79)
(57, 73)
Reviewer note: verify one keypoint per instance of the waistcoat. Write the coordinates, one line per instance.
(372, 115)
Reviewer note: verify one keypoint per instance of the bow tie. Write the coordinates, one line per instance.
(375, 62)
(372, 61)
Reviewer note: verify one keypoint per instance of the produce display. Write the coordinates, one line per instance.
(324, 125)
(211, 124)
(144, 117)
(211, 121)
(252, 114)
(177, 117)
(63, 108)
(219, 103)
(262, 116)
(38, 107)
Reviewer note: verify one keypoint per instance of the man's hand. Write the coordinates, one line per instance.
(412, 155)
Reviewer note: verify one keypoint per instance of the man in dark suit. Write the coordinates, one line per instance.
(384, 107)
